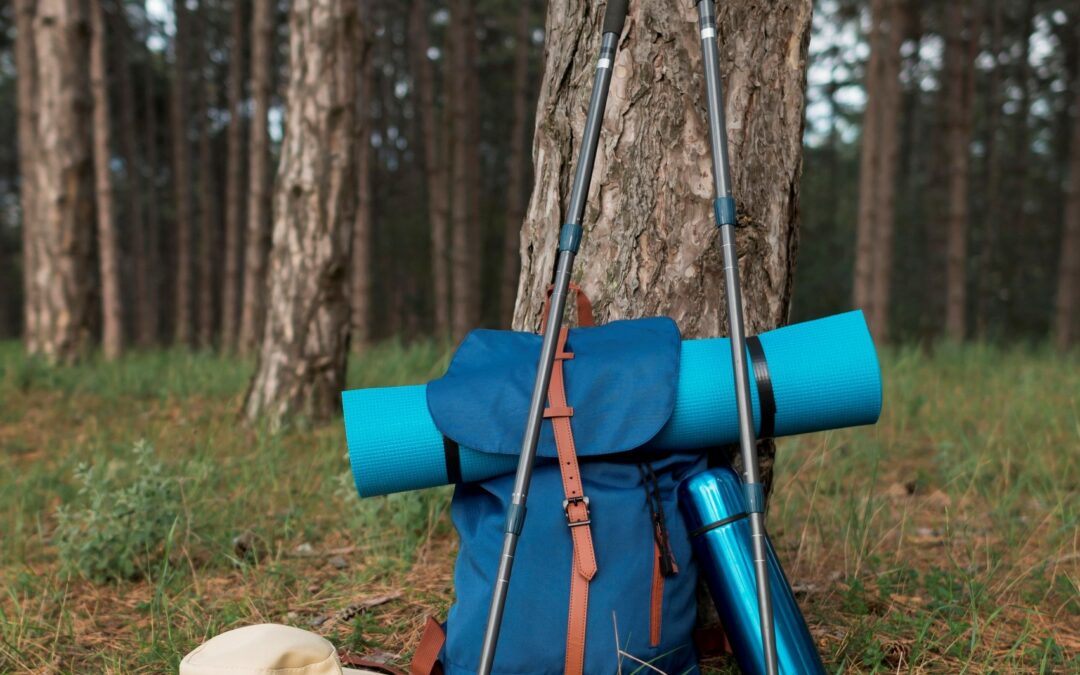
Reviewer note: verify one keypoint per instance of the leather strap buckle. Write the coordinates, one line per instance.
(568, 502)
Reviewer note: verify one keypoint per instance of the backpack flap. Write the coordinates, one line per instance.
(623, 379)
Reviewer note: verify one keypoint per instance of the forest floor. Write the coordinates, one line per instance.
(944, 540)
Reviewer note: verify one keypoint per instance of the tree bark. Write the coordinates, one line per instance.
(1068, 282)
(64, 212)
(866, 218)
(462, 254)
(515, 170)
(258, 226)
(360, 273)
(301, 368)
(112, 310)
(958, 90)
(184, 328)
(208, 207)
(471, 147)
(650, 246)
(434, 168)
(26, 93)
(234, 187)
(877, 172)
(888, 154)
(142, 296)
(155, 277)
(989, 276)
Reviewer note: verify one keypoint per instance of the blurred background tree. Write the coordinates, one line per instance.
(938, 191)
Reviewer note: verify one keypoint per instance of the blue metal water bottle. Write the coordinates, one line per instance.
(715, 510)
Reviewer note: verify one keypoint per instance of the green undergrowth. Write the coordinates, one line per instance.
(139, 515)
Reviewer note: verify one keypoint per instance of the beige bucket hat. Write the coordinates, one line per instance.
(266, 649)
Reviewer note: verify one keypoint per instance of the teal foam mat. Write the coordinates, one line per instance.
(825, 375)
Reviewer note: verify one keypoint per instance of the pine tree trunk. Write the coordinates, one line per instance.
(462, 226)
(471, 147)
(958, 71)
(888, 152)
(185, 321)
(208, 207)
(650, 246)
(258, 226)
(1015, 236)
(989, 277)
(234, 187)
(155, 279)
(866, 218)
(112, 318)
(64, 212)
(301, 368)
(434, 168)
(360, 273)
(26, 93)
(142, 296)
(515, 170)
(1068, 284)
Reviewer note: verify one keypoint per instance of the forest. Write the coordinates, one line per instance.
(217, 215)
(934, 192)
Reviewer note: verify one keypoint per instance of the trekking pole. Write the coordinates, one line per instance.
(569, 240)
(724, 212)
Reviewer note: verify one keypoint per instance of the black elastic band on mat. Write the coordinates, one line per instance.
(764, 387)
(720, 523)
(453, 461)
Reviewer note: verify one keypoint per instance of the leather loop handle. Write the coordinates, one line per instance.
(585, 317)
(426, 658)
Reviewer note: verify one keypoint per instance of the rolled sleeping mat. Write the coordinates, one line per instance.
(817, 375)
(714, 510)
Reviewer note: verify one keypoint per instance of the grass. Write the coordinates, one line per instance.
(945, 539)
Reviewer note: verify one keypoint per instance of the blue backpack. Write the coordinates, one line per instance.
(604, 580)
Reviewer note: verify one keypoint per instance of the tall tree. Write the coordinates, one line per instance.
(256, 246)
(155, 279)
(26, 83)
(515, 169)
(465, 303)
(208, 206)
(360, 273)
(650, 246)
(301, 366)
(434, 167)
(143, 295)
(112, 310)
(234, 182)
(1068, 283)
(959, 92)
(877, 174)
(989, 276)
(64, 209)
(184, 318)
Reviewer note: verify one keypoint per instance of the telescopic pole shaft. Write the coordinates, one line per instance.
(724, 211)
(569, 240)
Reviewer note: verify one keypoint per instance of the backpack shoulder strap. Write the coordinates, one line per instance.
(576, 505)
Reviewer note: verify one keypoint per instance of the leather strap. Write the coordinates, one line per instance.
(576, 506)
(584, 307)
(425, 660)
(764, 386)
(452, 457)
(656, 599)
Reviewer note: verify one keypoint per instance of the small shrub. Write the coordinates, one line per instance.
(122, 519)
